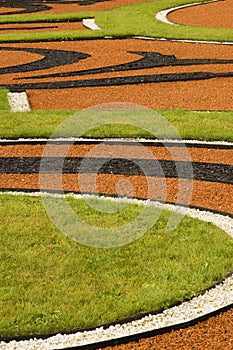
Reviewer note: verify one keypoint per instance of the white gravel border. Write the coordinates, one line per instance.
(212, 300)
(162, 15)
(192, 41)
(125, 140)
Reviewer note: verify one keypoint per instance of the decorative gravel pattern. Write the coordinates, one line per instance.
(157, 74)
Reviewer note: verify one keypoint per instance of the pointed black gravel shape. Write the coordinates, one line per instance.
(31, 6)
(52, 58)
(78, 2)
(130, 80)
(28, 28)
(149, 60)
(28, 6)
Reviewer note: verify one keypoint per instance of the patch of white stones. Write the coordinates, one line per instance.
(18, 101)
(212, 300)
(90, 24)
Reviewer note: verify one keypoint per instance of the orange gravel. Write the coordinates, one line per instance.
(206, 194)
(208, 94)
(45, 26)
(216, 333)
(208, 155)
(212, 15)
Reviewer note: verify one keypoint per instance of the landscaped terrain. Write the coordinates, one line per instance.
(51, 283)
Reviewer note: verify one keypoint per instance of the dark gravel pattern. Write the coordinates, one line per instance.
(31, 6)
(27, 28)
(50, 59)
(128, 167)
(149, 60)
(57, 58)
(141, 79)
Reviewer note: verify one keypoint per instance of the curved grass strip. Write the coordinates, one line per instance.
(132, 20)
(139, 19)
(207, 126)
(50, 283)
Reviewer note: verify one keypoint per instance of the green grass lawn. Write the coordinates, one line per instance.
(189, 124)
(51, 283)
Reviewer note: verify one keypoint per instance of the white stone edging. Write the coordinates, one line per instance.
(90, 24)
(125, 140)
(18, 101)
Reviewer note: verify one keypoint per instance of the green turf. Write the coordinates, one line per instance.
(51, 283)
(189, 124)
(121, 22)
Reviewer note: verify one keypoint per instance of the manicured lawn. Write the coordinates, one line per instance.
(189, 124)
(51, 283)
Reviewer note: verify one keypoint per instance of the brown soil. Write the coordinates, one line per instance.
(187, 96)
(40, 27)
(216, 333)
(5, 10)
(218, 156)
(208, 94)
(209, 195)
(211, 15)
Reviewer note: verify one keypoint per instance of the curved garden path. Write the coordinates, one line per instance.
(154, 73)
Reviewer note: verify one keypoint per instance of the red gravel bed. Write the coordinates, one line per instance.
(209, 155)
(40, 27)
(211, 15)
(208, 195)
(5, 10)
(187, 96)
(207, 94)
(216, 333)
